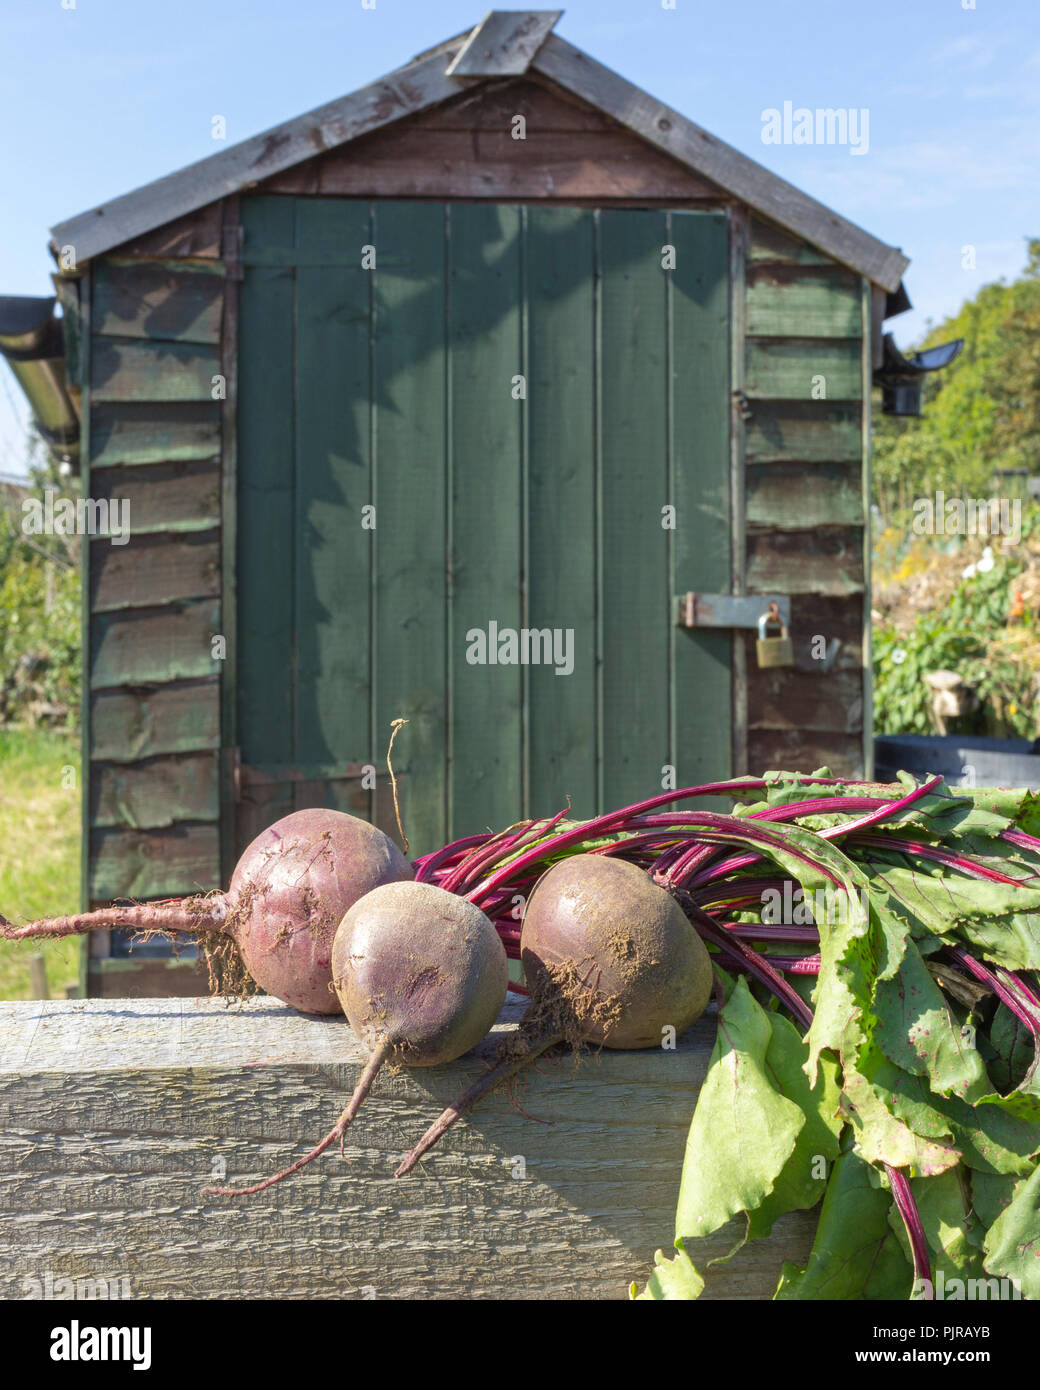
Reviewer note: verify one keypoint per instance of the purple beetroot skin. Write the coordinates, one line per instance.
(611, 959)
(422, 976)
(288, 894)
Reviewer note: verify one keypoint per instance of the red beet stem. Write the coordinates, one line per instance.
(173, 916)
(371, 1071)
(506, 1068)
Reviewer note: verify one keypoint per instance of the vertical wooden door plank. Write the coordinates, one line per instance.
(699, 314)
(485, 357)
(86, 635)
(561, 549)
(267, 524)
(634, 479)
(408, 386)
(867, 472)
(227, 502)
(333, 485)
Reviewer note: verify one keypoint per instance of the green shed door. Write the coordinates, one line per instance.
(457, 424)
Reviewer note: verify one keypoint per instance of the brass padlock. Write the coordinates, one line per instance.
(774, 651)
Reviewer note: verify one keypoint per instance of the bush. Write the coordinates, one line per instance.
(969, 634)
(40, 642)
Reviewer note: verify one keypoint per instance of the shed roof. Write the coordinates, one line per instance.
(505, 44)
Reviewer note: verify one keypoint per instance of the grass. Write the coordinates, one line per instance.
(39, 851)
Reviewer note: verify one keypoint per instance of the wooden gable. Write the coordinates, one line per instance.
(472, 147)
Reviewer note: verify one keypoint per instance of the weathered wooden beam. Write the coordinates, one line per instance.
(842, 753)
(412, 162)
(807, 701)
(145, 432)
(160, 301)
(158, 792)
(179, 496)
(734, 172)
(803, 302)
(132, 724)
(195, 236)
(802, 496)
(131, 369)
(802, 369)
(409, 89)
(828, 560)
(115, 1118)
(504, 43)
(770, 244)
(156, 863)
(804, 432)
(145, 646)
(152, 570)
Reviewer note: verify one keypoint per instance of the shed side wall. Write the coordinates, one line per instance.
(804, 435)
(154, 603)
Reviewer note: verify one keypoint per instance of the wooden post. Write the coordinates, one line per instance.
(116, 1115)
(38, 976)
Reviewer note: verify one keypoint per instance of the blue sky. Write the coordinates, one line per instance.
(109, 94)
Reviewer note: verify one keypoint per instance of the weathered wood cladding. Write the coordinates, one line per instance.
(469, 148)
(158, 301)
(142, 433)
(152, 570)
(196, 236)
(174, 717)
(803, 497)
(143, 646)
(153, 799)
(156, 862)
(130, 369)
(180, 496)
(159, 792)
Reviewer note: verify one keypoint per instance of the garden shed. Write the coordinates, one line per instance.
(497, 396)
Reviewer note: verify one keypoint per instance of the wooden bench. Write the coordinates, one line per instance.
(114, 1114)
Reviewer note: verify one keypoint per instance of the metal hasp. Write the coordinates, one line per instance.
(730, 610)
(31, 339)
(504, 43)
(900, 378)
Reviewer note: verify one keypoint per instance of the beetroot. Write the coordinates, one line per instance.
(422, 976)
(279, 916)
(611, 959)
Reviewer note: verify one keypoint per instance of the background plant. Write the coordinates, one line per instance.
(40, 642)
(968, 633)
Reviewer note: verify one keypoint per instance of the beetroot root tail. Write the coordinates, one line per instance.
(507, 1067)
(371, 1071)
(178, 916)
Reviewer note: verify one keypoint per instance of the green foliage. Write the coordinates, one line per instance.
(981, 414)
(963, 636)
(748, 1122)
(40, 616)
(856, 1253)
(894, 1073)
(40, 863)
(1013, 1241)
